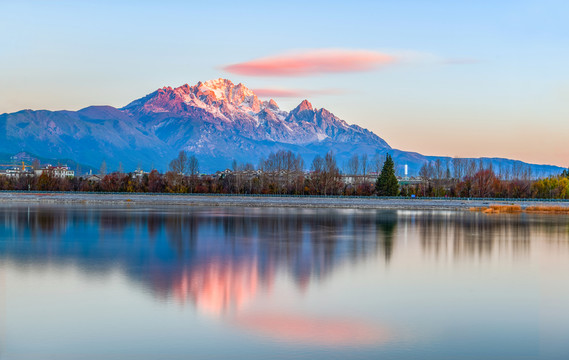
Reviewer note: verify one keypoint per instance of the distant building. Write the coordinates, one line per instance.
(139, 174)
(359, 179)
(409, 180)
(15, 172)
(93, 178)
(56, 171)
(220, 174)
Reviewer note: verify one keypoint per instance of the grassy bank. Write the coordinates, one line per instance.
(514, 209)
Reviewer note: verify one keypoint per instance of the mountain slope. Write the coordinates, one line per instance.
(90, 135)
(216, 120)
(222, 121)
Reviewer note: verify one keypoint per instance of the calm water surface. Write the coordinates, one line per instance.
(178, 283)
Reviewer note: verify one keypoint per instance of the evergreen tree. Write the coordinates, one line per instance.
(387, 184)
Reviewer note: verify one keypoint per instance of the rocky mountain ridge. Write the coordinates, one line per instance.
(217, 120)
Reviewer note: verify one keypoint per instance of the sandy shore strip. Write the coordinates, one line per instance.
(256, 201)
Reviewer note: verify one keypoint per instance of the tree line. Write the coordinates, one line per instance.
(283, 172)
(472, 178)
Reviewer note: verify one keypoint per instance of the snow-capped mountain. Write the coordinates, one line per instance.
(222, 121)
(236, 108)
(216, 120)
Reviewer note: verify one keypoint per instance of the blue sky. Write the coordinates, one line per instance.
(479, 78)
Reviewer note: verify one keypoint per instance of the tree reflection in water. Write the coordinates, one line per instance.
(219, 258)
(461, 234)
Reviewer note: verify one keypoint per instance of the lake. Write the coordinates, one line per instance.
(84, 282)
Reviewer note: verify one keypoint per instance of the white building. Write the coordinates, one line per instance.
(56, 171)
(94, 178)
(15, 172)
(359, 179)
(139, 174)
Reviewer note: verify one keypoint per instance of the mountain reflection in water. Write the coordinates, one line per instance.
(249, 267)
(214, 258)
(218, 258)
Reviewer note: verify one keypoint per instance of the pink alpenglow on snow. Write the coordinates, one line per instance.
(313, 62)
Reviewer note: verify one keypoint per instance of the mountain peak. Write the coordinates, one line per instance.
(273, 104)
(219, 83)
(224, 90)
(220, 94)
(304, 105)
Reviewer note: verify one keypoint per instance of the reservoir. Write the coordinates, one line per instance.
(156, 282)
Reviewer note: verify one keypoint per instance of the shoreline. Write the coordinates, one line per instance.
(138, 199)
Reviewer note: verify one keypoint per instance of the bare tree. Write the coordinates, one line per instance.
(377, 163)
(317, 173)
(459, 168)
(180, 164)
(193, 166)
(317, 164)
(517, 170)
(332, 173)
(194, 171)
(363, 165)
(103, 168)
(281, 169)
(505, 172)
(447, 169)
(354, 165)
(471, 168)
(438, 169)
(426, 173)
(527, 173)
(438, 175)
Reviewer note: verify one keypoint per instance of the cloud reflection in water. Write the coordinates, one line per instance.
(309, 330)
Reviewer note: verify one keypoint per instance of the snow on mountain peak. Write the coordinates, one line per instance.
(228, 103)
(223, 90)
(273, 104)
(304, 105)
(218, 83)
(219, 96)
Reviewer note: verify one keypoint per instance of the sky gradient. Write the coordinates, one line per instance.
(449, 78)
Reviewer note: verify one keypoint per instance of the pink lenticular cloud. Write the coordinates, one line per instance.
(313, 62)
(293, 93)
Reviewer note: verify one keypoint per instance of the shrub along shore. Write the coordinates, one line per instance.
(515, 209)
